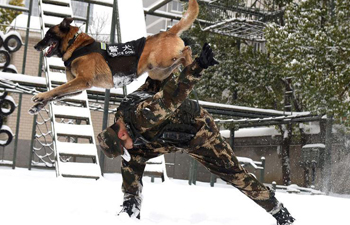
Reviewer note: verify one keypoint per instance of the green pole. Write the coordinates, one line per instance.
(87, 18)
(40, 64)
(32, 142)
(212, 179)
(190, 176)
(17, 130)
(195, 168)
(119, 38)
(35, 117)
(27, 37)
(232, 138)
(262, 172)
(115, 21)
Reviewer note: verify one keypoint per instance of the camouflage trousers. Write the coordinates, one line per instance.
(212, 151)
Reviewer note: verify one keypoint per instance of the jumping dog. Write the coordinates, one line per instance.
(86, 67)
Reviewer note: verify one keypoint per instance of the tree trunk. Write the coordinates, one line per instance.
(285, 158)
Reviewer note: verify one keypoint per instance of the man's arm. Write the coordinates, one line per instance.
(153, 111)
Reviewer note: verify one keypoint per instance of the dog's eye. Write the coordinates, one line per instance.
(174, 59)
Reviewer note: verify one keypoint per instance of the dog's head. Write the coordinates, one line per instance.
(54, 37)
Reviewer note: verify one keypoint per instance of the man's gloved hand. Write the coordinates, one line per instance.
(206, 58)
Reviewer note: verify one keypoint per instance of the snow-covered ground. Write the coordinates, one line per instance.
(38, 197)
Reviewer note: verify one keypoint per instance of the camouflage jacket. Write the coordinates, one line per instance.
(159, 104)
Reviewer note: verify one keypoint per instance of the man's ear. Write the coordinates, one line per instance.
(122, 134)
(65, 24)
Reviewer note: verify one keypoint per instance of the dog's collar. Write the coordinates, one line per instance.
(71, 41)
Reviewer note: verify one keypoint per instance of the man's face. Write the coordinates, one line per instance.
(124, 135)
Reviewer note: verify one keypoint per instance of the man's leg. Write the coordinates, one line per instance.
(210, 149)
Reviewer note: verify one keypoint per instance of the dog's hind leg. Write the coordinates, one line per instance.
(187, 53)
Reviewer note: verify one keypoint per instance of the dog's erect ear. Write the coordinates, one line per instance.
(65, 24)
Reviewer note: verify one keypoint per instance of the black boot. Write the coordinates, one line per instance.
(282, 216)
(131, 207)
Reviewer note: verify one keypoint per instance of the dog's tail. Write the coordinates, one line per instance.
(187, 19)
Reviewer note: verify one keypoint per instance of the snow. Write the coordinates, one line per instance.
(252, 132)
(244, 108)
(320, 145)
(21, 22)
(78, 149)
(157, 165)
(32, 197)
(79, 169)
(253, 163)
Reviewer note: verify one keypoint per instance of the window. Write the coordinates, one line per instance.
(177, 6)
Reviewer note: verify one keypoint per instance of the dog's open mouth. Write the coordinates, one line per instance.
(52, 49)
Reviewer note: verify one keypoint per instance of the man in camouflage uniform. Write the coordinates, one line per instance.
(158, 118)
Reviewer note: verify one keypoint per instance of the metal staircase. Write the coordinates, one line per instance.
(74, 143)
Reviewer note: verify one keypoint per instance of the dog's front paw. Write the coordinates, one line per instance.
(36, 108)
(38, 97)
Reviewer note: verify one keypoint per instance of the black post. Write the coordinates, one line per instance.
(327, 168)
(115, 24)
(17, 130)
(87, 18)
(232, 138)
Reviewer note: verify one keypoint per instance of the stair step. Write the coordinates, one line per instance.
(56, 63)
(81, 98)
(57, 2)
(74, 130)
(57, 77)
(155, 165)
(71, 112)
(51, 21)
(82, 170)
(76, 149)
(154, 168)
(56, 10)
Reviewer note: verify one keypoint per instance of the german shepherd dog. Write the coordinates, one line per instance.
(161, 55)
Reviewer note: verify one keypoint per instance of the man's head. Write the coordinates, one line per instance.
(114, 139)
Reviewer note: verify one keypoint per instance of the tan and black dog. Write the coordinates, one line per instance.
(161, 54)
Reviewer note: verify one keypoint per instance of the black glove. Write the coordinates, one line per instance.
(206, 58)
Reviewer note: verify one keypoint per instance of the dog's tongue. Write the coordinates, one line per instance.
(49, 50)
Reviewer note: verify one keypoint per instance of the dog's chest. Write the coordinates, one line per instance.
(120, 80)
